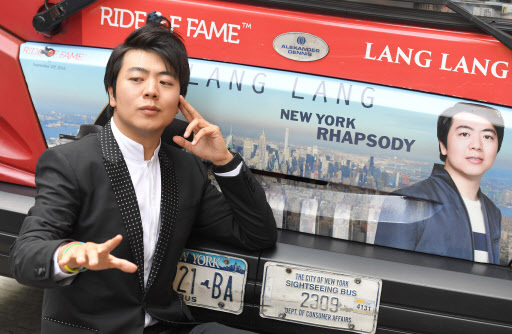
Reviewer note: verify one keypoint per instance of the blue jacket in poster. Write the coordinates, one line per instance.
(433, 219)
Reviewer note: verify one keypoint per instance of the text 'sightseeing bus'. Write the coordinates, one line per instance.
(379, 129)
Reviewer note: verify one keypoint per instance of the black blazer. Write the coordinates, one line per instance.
(84, 192)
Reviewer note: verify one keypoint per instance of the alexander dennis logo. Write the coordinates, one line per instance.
(300, 46)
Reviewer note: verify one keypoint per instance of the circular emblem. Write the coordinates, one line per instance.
(300, 46)
(301, 40)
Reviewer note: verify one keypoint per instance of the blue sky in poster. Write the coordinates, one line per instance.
(75, 84)
(67, 88)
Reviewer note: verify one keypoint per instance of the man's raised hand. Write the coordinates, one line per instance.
(208, 142)
(94, 256)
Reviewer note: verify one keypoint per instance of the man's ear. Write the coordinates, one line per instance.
(111, 98)
(443, 149)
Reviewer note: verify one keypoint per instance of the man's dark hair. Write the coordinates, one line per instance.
(155, 38)
(444, 122)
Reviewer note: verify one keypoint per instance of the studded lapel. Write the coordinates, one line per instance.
(125, 196)
(168, 213)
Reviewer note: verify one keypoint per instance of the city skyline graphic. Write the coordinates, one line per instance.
(381, 173)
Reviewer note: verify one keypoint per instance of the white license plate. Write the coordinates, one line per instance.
(211, 281)
(320, 298)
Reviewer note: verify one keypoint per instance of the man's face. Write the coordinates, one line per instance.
(472, 146)
(147, 95)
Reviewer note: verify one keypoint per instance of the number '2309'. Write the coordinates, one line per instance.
(325, 303)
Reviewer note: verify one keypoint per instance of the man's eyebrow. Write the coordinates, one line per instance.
(490, 130)
(142, 69)
(139, 69)
(464, 127)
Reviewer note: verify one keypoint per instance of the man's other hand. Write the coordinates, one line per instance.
(94, 256)
(208, 142)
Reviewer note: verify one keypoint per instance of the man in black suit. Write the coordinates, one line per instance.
(123, 183)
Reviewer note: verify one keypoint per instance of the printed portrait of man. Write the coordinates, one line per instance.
(447, 214)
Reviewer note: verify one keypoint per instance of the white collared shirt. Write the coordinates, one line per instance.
(145, 175)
